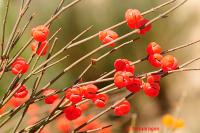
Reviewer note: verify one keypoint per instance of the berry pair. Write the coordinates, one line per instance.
(122, 109)
(124, 76)
(154, 54)
(19, 66)
(107, 36)
(135, 20)
(40, 48)
(152, 87)
(127, 79)
(89, 92)
(74, 95)
(40, 34)
(124, 65)
(100, 100)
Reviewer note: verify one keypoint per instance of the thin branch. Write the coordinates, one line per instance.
(145, 58)
(52, 64)
(38, 57)
(123, 22)
(94, 61)
(21, 14)
(103, 112)
(4, 26)
(18, 36)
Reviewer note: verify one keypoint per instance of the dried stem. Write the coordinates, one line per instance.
(4, 27)
(145, 58)
(52, 64)
(103, 112)
(21, 14)
(94, 61)
(18, 36)
(123, 22)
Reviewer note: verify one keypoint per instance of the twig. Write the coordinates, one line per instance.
(4, 27)
(123, 22)
(52, 64)
(94, 61)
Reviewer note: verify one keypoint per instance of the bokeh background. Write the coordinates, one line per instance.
(180, 27)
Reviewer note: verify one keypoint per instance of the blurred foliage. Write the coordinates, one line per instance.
(174, 30)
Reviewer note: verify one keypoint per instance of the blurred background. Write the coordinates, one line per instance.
(180, 27)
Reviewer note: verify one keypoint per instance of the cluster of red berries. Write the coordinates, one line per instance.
(40, 46)
(76, 95)
(152, 87)
(124, 76)
(167, 63)
(107, 36)
(135, 20)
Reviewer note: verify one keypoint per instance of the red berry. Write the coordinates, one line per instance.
(120, 64)
(121, 79)
(153, 48)
(100, 100)
(108, 39)
(72, 112)
(108, 36)
(155, 60)
(41, 49)
(40, 33)
(130, 69)
(122, 109)
(89, 91)
(123, 65)
(50, 99)
(169, 63)
(133, 17)
(151, 90)
(142, 27)
(21, 92)
(102, 35)
(74, 95)
(134, 85)
(19, 66)
(153, 79)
